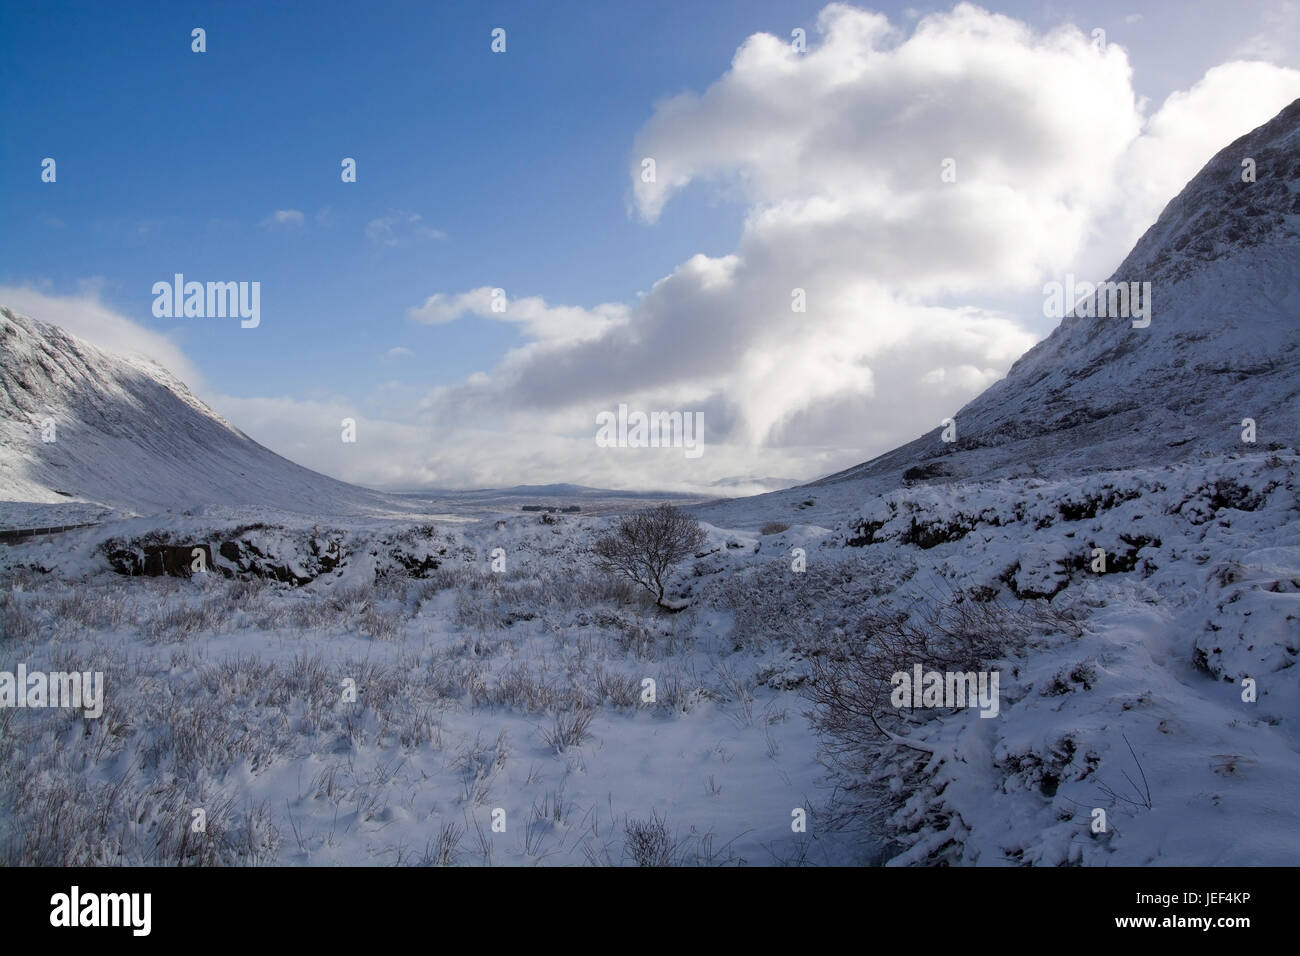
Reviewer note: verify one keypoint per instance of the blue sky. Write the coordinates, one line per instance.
(169, 160)
(510, 170)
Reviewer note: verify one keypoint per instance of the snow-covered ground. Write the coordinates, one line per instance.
(228, 693)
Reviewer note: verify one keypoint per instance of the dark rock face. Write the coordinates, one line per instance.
(924, 472)
(179, 562)
(126, 561)
(293, 557)
(238, 557)
(304, 562)
(415, 552)
(157, 560)
(417, 566)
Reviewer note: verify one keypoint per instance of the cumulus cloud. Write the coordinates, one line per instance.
(839, 154)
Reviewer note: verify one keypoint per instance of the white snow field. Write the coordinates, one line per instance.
(501, 713)
(226, 694)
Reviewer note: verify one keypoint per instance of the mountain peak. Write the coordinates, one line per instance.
(1219, 212)
(127, 434)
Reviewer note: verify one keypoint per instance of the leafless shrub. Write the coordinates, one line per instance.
(645, 546)
(851, 683)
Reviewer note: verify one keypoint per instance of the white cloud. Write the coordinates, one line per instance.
(386, 454)
(283, 219)
(838, 155)
(1277, 41)
(540, 322)
(400, 228)
(399, 351)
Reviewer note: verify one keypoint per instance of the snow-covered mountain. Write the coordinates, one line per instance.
(128, 435)
(1223, 261)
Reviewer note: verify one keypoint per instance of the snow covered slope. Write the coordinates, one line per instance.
(130, 436)
(1223, 260)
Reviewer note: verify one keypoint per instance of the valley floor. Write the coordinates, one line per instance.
(337, 691)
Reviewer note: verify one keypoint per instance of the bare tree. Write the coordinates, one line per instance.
(645, 546)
